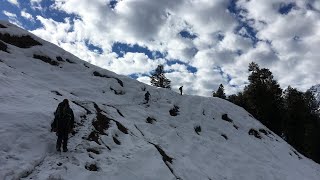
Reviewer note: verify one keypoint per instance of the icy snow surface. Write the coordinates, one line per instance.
(141, 141)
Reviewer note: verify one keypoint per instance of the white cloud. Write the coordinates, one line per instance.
(14, 2)
(288, 43)
(26, 15)
(12, 18)
(134, 63)
(36, 4)
(35, 1)
(294, 38)
(9, 14)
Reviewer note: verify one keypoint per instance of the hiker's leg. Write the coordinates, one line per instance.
(65, 141)
(59, 141)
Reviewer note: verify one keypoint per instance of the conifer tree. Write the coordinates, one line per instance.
(295, 107)
(302, 122)
(239, 99)
(158, 78)
(220, 92)
(293, 115)
(264, 98)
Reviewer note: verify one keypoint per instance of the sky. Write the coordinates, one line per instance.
(201, 43)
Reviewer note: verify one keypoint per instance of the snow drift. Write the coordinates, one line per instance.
(117, 135)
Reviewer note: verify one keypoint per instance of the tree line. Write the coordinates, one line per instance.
(290, 113)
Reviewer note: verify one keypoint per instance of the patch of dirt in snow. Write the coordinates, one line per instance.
(226, 118)
(150, 120)
(81, 105)
(265, 132)
(96, 73)
(117, 92)
(197, 129)
(2, 26)
(116, 140)
(254, 133)
(225, 136)
(174, 111)
(92, 167)
(297, 154)
(235, 126)
(139, 130)
(71, 62)
(59, 58)
(19, 41)
(93, 151)
(101, 124)
(119, 112)
(94, 136)
(46, 59)
(121, 127)
(56, 93)
(166, 159)
(3, 47)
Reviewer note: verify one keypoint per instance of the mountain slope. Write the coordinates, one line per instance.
(117, 135)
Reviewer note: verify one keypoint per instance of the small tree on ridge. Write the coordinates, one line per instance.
(158, 78)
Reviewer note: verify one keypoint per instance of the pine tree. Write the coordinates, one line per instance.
(312, 125)
(302, 122)
(295, 107)
(264, 98)
(294, 115)
(158, 78)
(220, 92)
(239, 99)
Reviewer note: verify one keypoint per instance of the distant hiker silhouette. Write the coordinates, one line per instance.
(180, 89)
(63, 124)
(147, 97)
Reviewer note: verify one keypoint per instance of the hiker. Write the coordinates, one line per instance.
(63, 124)
(146, 97)
(180, 88)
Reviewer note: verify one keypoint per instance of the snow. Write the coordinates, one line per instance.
(28, 99)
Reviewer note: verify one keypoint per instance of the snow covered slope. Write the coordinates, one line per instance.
(119, 137)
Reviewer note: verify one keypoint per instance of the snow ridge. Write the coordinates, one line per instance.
(118, 136)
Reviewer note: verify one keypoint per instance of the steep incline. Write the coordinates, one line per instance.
(117, 135)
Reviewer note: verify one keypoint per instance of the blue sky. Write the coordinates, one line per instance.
(201, 43)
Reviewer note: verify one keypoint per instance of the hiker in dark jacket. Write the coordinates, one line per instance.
(146, 97)
(180, 89)
(63, 124)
